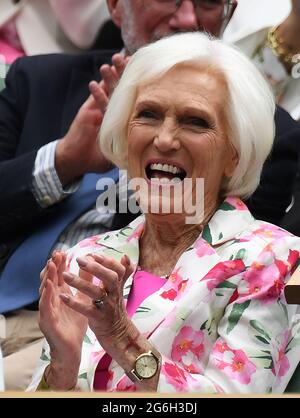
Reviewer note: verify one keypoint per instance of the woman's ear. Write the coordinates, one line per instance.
(114, 7)
(232, 161)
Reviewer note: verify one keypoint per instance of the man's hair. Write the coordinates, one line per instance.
(249, 108)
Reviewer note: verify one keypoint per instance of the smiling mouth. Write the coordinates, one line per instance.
(165, 173)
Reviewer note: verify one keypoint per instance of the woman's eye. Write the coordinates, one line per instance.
(195, 121)
(149, 114)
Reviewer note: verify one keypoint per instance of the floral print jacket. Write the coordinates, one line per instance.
(220, 321)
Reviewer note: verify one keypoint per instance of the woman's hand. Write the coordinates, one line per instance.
(63, 328)
(108, 319)
(106, 312)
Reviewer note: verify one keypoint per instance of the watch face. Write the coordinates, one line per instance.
(146, 366)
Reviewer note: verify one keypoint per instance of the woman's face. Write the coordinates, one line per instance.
(178, 129)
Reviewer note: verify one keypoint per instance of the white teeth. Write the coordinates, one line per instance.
(168, 168)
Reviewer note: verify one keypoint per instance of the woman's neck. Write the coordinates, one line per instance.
(166, 237)
(163, 242)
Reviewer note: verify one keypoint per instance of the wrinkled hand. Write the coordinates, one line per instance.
(110, 321)
(63, 328)
(78, 152)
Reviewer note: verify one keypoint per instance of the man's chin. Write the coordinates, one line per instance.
(161, 35)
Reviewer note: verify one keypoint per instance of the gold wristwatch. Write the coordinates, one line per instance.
(146, 366)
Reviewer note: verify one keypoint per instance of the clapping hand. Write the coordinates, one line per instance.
(63, 328)
(78, 152)
(104, 306)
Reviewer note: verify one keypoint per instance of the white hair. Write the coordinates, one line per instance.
(249, 109)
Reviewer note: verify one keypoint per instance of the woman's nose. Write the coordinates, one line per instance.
(185, 18)
(166, 138)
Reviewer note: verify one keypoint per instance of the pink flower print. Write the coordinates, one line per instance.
(125, 385)
(136, 233)
(203, 248)
(264, 282)
(110, 377)
(293, 258)
(175, 278)
(267, 231)
(182, 285)
(242, 368)
(236, 203)
(221, 347)
(234, 363)
(169, 294)
(282, 364)
(271, 231)
(177, 377)
(222, 271)
(175, 286)
(90, 242)
(188, 349)
(96, 356)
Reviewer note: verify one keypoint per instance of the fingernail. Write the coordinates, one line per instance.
(81, 261)
(68, 276)
(98, 257)
(65, 297)
(54, 255)
(127, 260)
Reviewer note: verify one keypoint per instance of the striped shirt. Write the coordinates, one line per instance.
(48, 190)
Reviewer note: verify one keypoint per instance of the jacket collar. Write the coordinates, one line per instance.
(230, 219)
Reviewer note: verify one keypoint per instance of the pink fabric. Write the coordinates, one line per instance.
(144, 284)
(10, 45)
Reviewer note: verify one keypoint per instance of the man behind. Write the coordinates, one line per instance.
(49, 118)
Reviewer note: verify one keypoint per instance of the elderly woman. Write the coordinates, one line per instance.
(164, 304)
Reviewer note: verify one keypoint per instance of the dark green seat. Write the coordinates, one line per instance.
(294, 385)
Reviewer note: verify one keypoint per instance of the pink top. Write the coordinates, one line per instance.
(144, 284)
(10, 45)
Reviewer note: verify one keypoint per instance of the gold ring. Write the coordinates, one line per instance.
(100, 302)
